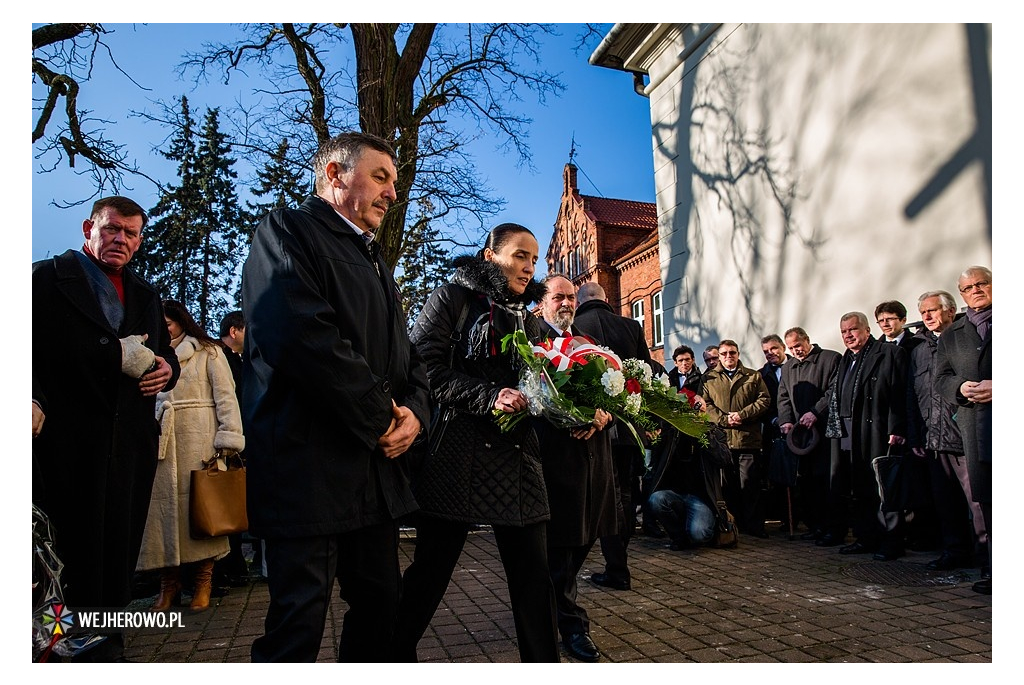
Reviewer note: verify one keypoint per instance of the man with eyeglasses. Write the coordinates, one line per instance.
(891, 317)
(736, 398)
(964, 376)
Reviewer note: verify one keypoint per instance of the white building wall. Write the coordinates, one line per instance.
(784, 158)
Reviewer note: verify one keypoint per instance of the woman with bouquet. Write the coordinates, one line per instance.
(480, 474)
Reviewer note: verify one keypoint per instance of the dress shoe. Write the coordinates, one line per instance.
(888, 554)
(580, 646)
(828, 540)
(856, 548)
(948, 561)
(983, 586)
(605, 580)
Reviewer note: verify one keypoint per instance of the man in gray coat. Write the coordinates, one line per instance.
(964, 376)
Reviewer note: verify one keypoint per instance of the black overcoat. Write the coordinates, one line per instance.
(930, 416)
(96, 456)
(326, 354)
(963, 356)
(580, 479)
(804, 384)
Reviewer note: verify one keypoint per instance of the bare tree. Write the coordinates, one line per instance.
(428, 89)
(63, 56)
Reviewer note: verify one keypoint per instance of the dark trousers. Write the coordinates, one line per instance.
(565, 563)
(951, 502)
(854, 502)
(743, 490)
(300, 577)
(812, 487)
(613, 547)
(523, 552)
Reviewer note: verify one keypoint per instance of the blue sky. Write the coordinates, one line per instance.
(610, 123)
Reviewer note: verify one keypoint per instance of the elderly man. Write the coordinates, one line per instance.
(867, 415)
(964, 376)
(935, 435)
(334, 393)
(580, 480)
(625, 337)
(803, 402)
(100, 354)
(736, 398)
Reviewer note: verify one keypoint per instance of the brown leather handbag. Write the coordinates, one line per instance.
(217, 498)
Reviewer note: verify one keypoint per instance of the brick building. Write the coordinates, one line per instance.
(615, 243)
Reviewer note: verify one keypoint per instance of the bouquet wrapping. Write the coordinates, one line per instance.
(567, 379)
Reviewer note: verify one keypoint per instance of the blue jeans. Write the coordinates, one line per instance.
(686, 518)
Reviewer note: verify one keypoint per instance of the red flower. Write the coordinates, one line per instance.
(633, 386)
(690, 395)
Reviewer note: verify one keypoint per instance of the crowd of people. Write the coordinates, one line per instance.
(351, 427)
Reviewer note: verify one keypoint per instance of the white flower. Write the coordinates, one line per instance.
(639, 370)
(613, 381)
(633, 403)
(663, 380)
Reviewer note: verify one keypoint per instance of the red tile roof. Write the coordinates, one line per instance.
(629, 213)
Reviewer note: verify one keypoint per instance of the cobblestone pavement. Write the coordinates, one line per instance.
(769, 600)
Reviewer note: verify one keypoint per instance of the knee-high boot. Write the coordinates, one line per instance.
(170, 589)
(204, 583)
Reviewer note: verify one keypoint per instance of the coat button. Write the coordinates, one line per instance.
(386, 385)
(104, 340)
(487, 445)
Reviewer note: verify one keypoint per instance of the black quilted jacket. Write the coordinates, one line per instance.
(478, 475)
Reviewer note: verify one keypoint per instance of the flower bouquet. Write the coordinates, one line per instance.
(567, 379)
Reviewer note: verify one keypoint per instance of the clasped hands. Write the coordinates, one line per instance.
(402, 432)
(979, 392)
(601, 420)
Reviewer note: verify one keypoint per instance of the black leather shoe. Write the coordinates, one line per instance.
(829, 540)
(580, 646)
(983, 586)
(949, 561)
(605, 580)
(888, 554)
(856, 548)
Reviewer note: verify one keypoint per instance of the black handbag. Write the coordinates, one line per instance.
(900, 481)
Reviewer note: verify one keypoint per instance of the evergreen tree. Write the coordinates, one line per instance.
(279, 183)
(197, 241)
(424, 265)
(167, 252)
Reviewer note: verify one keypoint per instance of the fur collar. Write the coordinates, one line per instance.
(186, 347)
(482, 276)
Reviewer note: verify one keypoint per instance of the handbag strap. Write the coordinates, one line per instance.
(456, 334)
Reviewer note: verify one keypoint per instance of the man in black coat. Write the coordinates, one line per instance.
(935, 437)
(867, 416)
(684, 375)
(803, 402)
(100, 354)
(624, 337)
(891, 317)
(775, 356)
(334, 395)
(964, 376)
(580, 479)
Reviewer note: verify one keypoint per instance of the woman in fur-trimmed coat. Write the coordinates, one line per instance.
(198, 418)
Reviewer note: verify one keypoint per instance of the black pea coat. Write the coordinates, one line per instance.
(963, 356)
(326, 354)
(580, 480)
(770, 428)
(96, 456)
(479, 474)
(694, 380)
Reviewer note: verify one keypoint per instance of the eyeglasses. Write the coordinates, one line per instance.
(971, 286)
(886, 319)
(727, 353)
